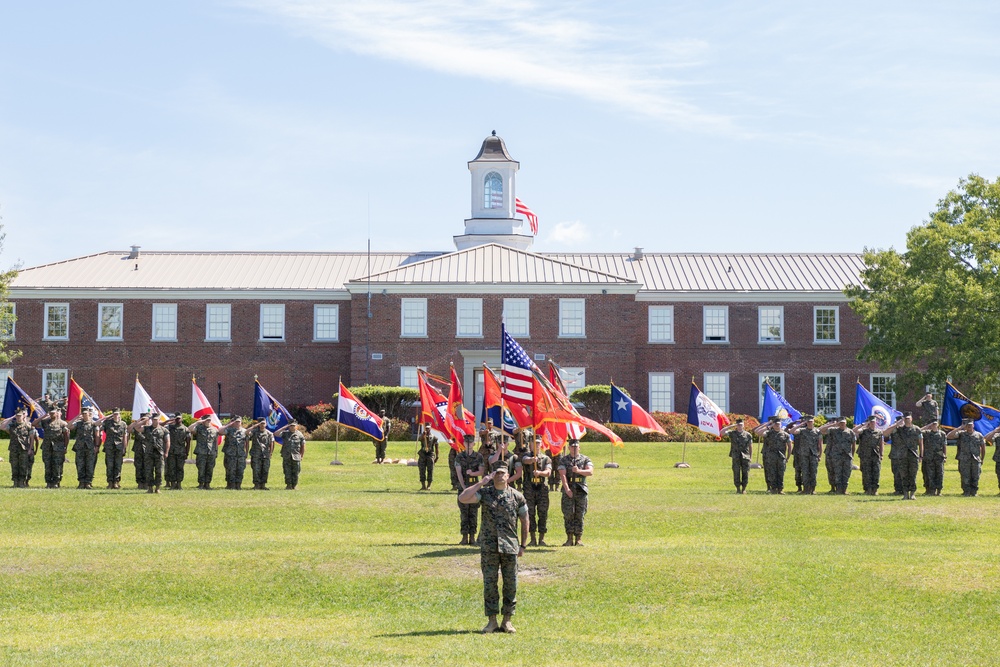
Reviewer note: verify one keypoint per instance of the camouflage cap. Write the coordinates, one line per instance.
(808, 418)
(739, 420)
(871, 418)
(498, 466)
(968, 422)
(773, 419)
(907, 414)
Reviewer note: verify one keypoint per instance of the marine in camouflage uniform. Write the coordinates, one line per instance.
(293, 448)
(990, 438)
(88, 443)
(935, 453)
(180, 448)
(741, 452)
(261, 448)
(499, 544)
(809, 443)
(574, 469)
(928, 408)
(235, 446)
(55, 441)
(828, 462)
(452, 453)
(380, 445)
(206, 450)
(470, 466)
(139, 450)
(971, 449)
(841, 450)
(115, 437)
(157, 440)
(21, 448)
(427, 456)
(870, 450)
(521, 449)
(909, 441)
(774, 449)
(537, 468)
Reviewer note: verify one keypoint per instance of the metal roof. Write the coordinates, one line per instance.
(493, 150)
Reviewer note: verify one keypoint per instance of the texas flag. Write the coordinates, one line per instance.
(704, 413)
(625, 411)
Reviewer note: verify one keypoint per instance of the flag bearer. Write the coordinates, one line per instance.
(537, 468)
(574, 469)
(380, 445)
(740, 451)
(293, 448)
(139, 448)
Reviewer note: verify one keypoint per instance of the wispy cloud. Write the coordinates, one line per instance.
(569, 233)
(566, 50)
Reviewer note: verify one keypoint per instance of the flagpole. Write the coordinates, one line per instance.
(611, 463)
(336, 445)
(683, 463)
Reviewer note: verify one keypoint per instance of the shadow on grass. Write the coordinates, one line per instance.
(453, 551)
(430, 633)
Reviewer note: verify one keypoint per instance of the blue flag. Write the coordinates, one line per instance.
(957, 407)
(867, 404)
(16, 398)
(266, 407)
(775, 404)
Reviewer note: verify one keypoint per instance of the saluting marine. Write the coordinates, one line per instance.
(293, 449)
(261, 448)
(206, 450)
(775, 450)
(115, 441)
(935, 453)
(870, 451)
(840, 451)
(55, 442)
(809, 443)
(180, 448)
(537, 468)
(470, 466)
(23, 442)
(740, 451)
(88, 443)
(971, 451)
(908, 448)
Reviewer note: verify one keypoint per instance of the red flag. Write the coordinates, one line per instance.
(200, 407)
(555, 377)
(513, 415)
(459, 419)
(552, 408)
(433, 411)
(77, 399)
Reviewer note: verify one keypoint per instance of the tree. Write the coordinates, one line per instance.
(7, 317)
(932, 311)
(596, 400)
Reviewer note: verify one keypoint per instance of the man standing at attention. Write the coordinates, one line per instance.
(740, 451)
(935, 453)
(810, 446)
(157, 439)
(180, 447)
(115, 439)
(971, 451)
(21, 447)
(574, 469)
(380, 445)
(427, 456)
(537, 467)
(88, 443)
(470, 466)
(206, 450)
(261, 448)
(499, 545)
(870, 451)
(293, 448)
(55, 442)
(235, 448)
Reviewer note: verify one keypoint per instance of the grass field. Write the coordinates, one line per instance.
(358, 567)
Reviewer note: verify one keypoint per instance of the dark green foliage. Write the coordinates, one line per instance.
(397, 402)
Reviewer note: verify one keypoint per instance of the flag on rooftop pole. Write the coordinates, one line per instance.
(704, 413)
(776, 405)
(523, 209)
(352, 414)
(867, 404)
(143, 402)
(957, 406)
(16, 398)
(626, 411)
(270, 409)
(77, 399)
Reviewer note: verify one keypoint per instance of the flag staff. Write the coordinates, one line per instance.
(611, 463)
(336, 445)
(683, 462)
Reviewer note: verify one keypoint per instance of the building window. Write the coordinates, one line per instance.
(492, 191)
(218, 321)
(56, 321)
(661, 392)
(414, 316)
(4, 374)
(771, 324)
(272, 321)
(109, 321)
(826, 324)
(717, 389)
(469, 313)
(515, 315)
(574, 377)
(408, 376)
(883, 385)
(326, 322)
(661, 324)
(165, 321)
(716, 324)
(572, 318)
(828, 394)
(8, 318)
(777, 382)
(55, 383)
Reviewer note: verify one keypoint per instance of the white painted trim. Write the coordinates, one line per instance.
(649, 390)
(229, 338)
(836, 411)
(704, 387)
(649, 325)
(497, 288)
(101, 307)
(760, 388)
(13, 328)
(835, 341)
(704, 338)
(742, 297)
(781, 325)
(152, 317)
(583, 318)
(260, 322)
(871, 385)
(402, 318)
(458, 318)
(527, 301)
(45, 320)
(336, 337)
(166, 294)
(49, 371)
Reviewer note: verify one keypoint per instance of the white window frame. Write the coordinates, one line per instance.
(724, 403)
(836, 325)
(12, 307)
(669, 311)
(886, 376)
(836, 410)
(331, 308)
(271, 309)
(469, 313)
(100, 318)
(563, 321)
(170, 307)
(404, 371)
(760, 326)
(704, 325)
(46, 372)
(760, 387)
(516, 331)
(669, 377)
(45, 324)
(417, 332)
(228, 309)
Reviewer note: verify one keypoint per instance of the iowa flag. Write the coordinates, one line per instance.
(704, 413)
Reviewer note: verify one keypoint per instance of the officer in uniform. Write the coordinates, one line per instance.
(537, 468)
(935, 453)
(470, 466)
(870, 451)
(909, 440)
(22, 447)
(293, 448)
(928, 409)
(115, 437)
(55, 442)
(261, 448)
(139, 449)
(971, 451)
(897, 451)
(206, 450)
(235, 447)
(180, 448)
(427, 456)
(828, 461)
(574, 469)
(88, 443)
(809, 443)
(775, 449)
(487, 446)
(522, 440)
(741, 452)
(380, 445)
(841, 449)
(157, 440)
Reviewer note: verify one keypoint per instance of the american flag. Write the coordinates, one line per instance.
(523, 209)
(516, 371)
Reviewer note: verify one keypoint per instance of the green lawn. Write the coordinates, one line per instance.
(358, 567)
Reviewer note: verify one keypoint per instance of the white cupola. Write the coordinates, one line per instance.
(493, 208)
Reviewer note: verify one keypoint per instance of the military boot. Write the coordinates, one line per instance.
(569, 540)
(541, 540)
(533, 543)
(465, 540)
(506, 625)
(579, 540)
(491, 626)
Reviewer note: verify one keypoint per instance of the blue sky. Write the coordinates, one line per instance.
(676, 126)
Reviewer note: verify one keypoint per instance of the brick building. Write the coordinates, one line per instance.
(300, 321)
